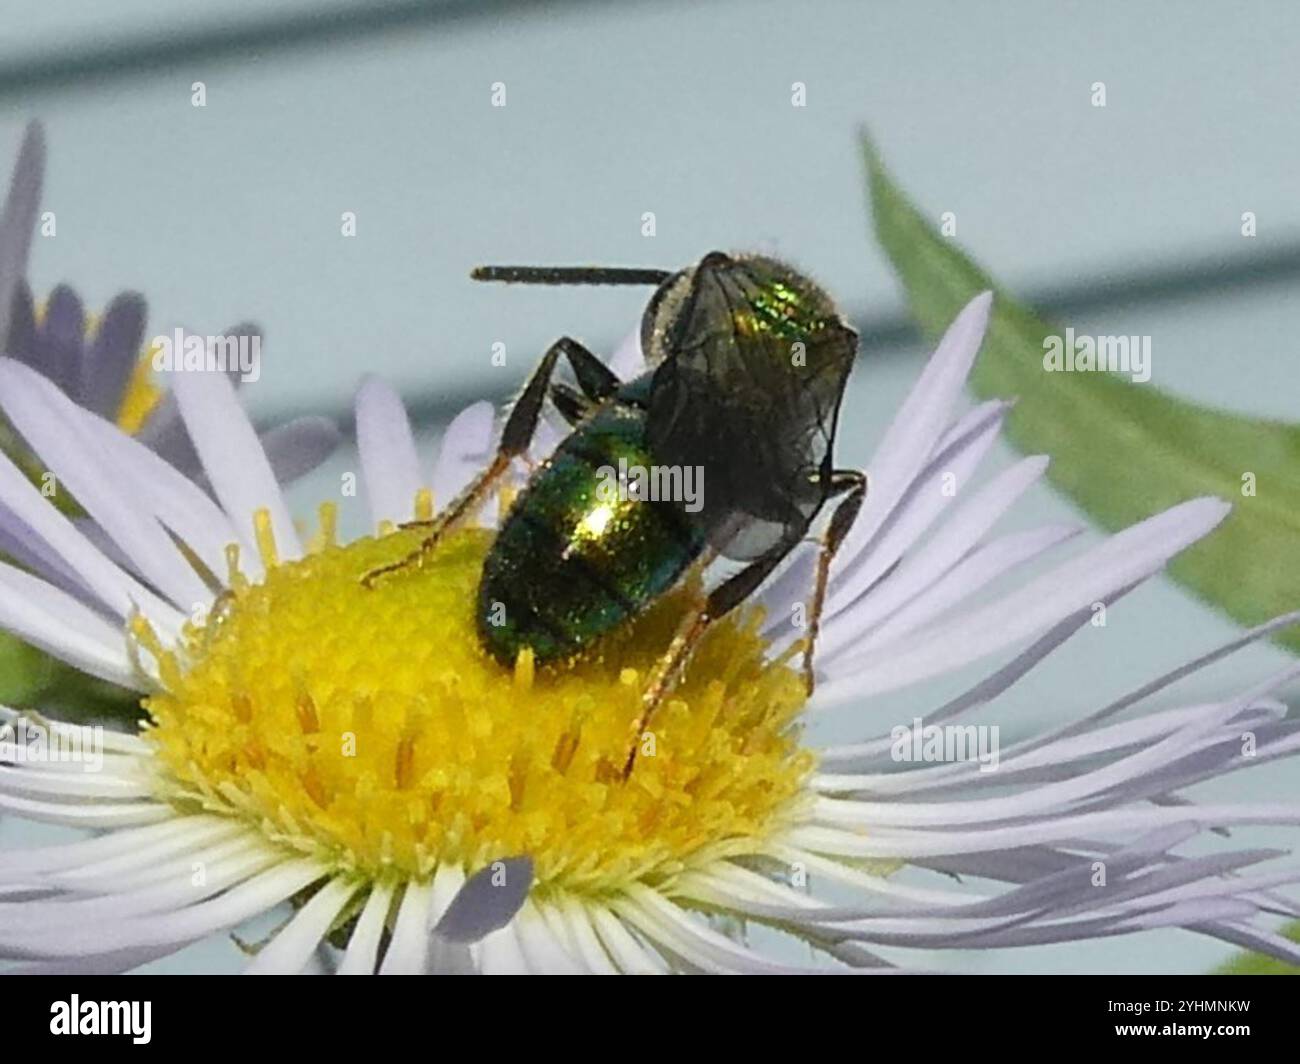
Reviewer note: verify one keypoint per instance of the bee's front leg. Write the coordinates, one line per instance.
(597, 381)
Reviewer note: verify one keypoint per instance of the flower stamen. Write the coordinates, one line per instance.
(369, 727)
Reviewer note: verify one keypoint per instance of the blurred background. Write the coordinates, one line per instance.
(1123, 219)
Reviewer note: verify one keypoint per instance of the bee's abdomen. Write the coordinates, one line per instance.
(571, 562)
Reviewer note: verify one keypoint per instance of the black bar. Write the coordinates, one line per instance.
(1018, 1016)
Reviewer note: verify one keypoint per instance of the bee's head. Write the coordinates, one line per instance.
(744, 293)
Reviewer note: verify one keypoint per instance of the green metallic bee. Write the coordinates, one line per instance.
(747, 361)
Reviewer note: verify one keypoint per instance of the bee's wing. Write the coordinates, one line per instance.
(758, 415)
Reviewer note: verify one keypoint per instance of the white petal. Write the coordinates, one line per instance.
(849, 755)
(60, 625)
(409, 949)
(292, 948)
(890, 888)
(447, 958)
(689, 937)
(105, 580)
(922, 502)
(99, 815)
(1012, 760)
(902, 845)
(1034, 801)
(389, 464)
(177, 502)
(979, 568)
(465, 449)
(630, 955)
(129, 872)
(793, 584)
(57, 430)
(363, 946)
(545, 952)
(582, 934)
(175, 831)
(32, 919)
(251, 898)
(910, 439)
(501, 953)
(1122, 560)
(930, 563)
(232, 458)
(81, 785)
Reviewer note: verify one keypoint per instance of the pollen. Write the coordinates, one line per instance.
(366, 726)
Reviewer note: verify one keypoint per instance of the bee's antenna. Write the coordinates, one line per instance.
(569, 275)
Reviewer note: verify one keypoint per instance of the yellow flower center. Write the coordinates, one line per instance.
(368, 726)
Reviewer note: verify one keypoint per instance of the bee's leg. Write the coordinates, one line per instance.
(517, 434)
(664, 676)
(716, 605)
(597, 381)
(571, 403)
(853, 485)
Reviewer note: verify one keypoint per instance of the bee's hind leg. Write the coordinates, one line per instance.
(597, 382)
(852, 484)
(716, 605)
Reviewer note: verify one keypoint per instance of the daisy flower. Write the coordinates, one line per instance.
(102, 362)
(350, 757)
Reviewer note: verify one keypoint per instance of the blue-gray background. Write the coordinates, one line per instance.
(1126, 219)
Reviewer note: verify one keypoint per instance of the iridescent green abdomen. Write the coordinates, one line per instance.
(573, 559)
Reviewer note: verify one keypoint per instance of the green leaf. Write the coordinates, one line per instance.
(1258, 964)
(1122, 451)
(31, 679)
(24, 672)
